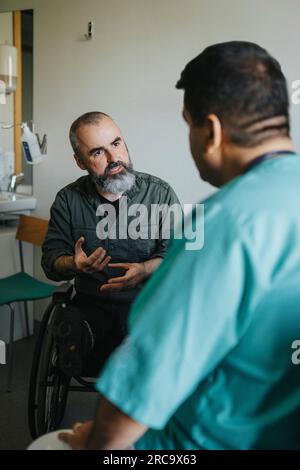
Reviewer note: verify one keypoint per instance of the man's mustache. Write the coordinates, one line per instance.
(112, 165)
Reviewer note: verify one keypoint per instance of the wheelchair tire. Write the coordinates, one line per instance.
(48, 385)
(53, 389)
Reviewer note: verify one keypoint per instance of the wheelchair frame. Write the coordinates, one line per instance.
(49, 386)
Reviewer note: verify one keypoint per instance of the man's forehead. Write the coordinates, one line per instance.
(104, 130)
(103, 124)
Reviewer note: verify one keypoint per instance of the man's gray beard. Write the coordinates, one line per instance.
(116, 184)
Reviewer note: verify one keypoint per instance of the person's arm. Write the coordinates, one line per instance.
(62, 257)
(151, 265)
(59, 241)
(111, 429)
(135, 273)
(65, 265)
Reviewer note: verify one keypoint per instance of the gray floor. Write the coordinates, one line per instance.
(14, 432)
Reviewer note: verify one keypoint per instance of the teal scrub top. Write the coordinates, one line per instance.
(207, 362)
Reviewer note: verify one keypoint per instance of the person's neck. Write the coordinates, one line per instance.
(109, 196)
(236, 159)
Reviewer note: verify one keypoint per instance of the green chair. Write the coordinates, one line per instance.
(21, 287)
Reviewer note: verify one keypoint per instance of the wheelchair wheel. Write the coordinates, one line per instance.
(53, 389)
(48, 385)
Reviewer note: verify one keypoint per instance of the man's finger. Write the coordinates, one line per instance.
(97, 256)
(98, 265)
(119, 265)
(68, 437)
(121, 279)
(104, 263)
(113, 287)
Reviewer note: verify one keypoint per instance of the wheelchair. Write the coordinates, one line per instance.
(49, 385)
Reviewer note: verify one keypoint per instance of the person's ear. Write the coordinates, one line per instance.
(79, 162)
(215, 134)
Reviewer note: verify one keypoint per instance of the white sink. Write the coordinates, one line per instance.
(11, 202)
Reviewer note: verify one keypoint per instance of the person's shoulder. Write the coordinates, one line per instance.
(78, 185)
(146, 178)
(243, 202)
(234, 194)
(225, 206)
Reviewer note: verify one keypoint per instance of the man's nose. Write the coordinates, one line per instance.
(112, 155)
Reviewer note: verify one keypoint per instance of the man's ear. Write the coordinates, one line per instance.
(215, 138)
(79, 162)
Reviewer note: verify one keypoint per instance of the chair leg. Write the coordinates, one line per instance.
(11, 348)
(26, 318)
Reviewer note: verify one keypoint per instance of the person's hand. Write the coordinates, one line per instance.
(78, 439)
(135, 273)
(89, 264)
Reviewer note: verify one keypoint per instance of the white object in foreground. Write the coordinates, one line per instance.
(50, 441)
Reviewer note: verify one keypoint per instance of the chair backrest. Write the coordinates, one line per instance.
(32, 230)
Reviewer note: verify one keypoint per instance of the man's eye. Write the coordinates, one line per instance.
(116, 144)
(97, 152)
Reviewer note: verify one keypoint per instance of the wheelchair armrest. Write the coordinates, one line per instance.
(63, 293)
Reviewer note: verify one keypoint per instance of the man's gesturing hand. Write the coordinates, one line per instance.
(89, 264)
(135, 273)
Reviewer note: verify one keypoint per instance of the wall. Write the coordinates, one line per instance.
(27, 82)
(129, 70)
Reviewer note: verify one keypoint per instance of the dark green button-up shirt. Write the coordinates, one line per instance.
(74, 214)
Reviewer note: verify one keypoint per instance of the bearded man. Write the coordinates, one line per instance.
(109, 269)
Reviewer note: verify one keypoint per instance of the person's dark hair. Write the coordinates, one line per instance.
(90, 118)
(243, 85)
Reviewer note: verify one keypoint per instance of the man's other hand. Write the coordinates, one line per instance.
(135, 273)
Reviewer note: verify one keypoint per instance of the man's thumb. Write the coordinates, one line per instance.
(78, 244)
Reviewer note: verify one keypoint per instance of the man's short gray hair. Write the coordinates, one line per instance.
(90, 118)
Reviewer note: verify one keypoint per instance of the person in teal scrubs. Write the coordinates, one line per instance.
(208, 360)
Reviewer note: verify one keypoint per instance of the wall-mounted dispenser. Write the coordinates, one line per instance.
(9, 67)
(34, 148)
(31, 146)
